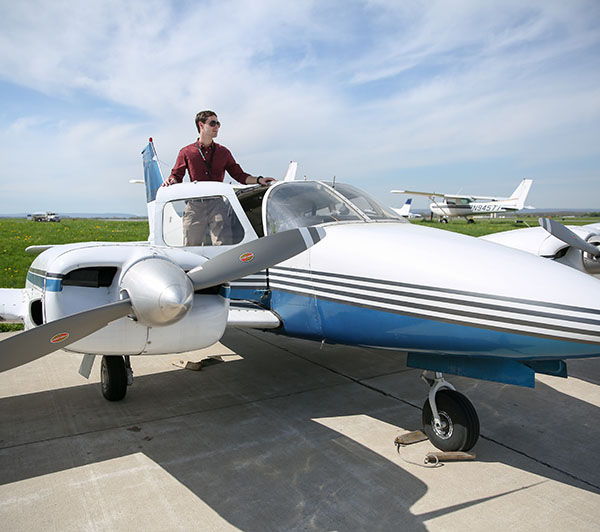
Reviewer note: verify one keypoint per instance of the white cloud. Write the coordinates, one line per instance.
(348, 89)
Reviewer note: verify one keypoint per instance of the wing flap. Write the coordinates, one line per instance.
(250, 315)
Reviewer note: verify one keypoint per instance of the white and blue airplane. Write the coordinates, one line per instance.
(405, 211)
(314, 260)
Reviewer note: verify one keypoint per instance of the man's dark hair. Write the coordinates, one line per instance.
(202, 116)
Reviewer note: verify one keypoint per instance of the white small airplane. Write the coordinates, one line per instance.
(405, 211)
(576, 246)
(455, 303)
(464, 205)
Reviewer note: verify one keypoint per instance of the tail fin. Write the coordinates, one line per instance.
(405, 210)
(152, 174)
(290, 175)
(520, 193)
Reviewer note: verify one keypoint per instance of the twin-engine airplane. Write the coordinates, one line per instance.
(464, 205)
(456, 304)
(574, 246)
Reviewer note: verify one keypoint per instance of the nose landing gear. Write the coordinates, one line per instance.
(449, 418)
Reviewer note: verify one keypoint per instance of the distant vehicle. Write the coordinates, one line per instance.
(465, 205)
(45, 217)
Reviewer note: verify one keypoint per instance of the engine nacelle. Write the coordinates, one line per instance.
(592, 264)
(160, 291)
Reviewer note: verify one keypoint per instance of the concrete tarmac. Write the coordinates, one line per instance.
(288, 435)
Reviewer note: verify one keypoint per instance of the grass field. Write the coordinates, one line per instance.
(16, 234)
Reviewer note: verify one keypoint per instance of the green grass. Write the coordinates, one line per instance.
(486, 226)
(16, 234)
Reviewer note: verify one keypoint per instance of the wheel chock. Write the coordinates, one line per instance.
(448, 456)
(410, 437)
(187, 364)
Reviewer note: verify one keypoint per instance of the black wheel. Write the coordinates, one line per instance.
(470, 221)
(113, 376)
(460, 424)
(444, 220)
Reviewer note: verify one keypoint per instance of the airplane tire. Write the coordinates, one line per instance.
(113, 376)
(460, 429)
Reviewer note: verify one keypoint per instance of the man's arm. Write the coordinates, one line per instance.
(235, 171)
(178, 171)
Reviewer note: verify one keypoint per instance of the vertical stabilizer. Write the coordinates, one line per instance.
(153, 179)
(152, 175)
(520, 193)
(290, 175)
(405, 210)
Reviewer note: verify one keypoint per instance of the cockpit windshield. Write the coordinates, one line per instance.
(367, 204)
(303, 204)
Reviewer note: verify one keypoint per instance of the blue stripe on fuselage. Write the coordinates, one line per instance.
(40, 279)
(318, 319)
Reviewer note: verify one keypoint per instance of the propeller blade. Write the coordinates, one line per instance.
(569, 237)
(254, 256)
(54, 335)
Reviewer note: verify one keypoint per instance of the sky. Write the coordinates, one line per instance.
(455, 96)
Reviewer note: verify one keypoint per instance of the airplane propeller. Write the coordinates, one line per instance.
(569, 237)
(174, 302)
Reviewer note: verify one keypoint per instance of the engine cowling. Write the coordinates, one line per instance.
(160, 291)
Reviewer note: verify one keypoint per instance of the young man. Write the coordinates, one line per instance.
(205, 160)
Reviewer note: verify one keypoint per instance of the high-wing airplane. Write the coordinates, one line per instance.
(405, 211)
(451, 301)
(464, 205)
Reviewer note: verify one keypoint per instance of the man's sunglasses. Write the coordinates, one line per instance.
(214, 123)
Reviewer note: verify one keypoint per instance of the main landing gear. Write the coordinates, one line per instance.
(449, 418)
(115, 375)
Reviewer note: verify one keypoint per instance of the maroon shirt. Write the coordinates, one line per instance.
(211, 167)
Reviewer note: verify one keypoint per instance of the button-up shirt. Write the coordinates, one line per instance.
(210, 165)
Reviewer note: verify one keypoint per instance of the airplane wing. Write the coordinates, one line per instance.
(428, 194)
(13, 304)
(442, 195)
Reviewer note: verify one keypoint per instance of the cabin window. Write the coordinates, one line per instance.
(302, 204)
(207, 221)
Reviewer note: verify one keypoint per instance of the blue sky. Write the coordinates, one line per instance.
(451, 96)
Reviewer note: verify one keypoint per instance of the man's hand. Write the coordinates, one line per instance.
(265, 181)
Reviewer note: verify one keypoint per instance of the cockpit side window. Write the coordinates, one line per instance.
(206, 221)
(303, 204)
(366, 203)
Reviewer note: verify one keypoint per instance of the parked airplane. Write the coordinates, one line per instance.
(375, 280)
(405, 210)
(464, 205)
(574, 246)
